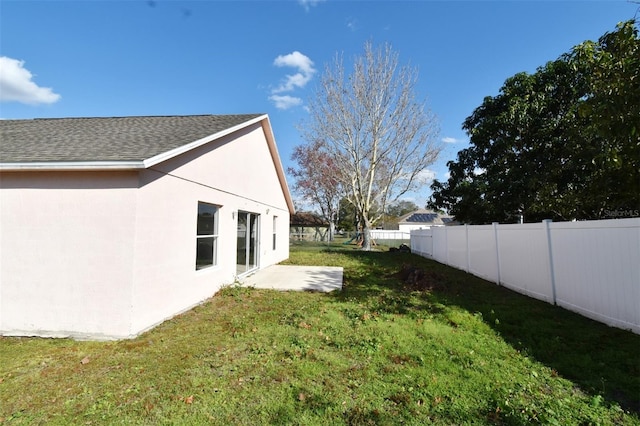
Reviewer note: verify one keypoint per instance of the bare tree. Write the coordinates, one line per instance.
(379, 136)
(316, 180)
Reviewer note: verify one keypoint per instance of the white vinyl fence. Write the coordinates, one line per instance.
(382, 234)
(590, 267)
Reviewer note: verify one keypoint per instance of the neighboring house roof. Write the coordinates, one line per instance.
(307, 219)
(425, 217)
(119, 143)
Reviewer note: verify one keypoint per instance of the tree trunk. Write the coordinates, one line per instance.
(366, 234)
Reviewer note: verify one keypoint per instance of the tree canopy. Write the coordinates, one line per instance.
(316, 181)
(401, 207)
(562, 143)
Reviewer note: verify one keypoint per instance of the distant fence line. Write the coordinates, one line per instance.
(391, 238)
(382, 234)
(589, 267)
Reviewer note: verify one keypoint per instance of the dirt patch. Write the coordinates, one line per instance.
(417, 279)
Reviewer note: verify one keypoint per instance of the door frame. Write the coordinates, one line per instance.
(252, 242)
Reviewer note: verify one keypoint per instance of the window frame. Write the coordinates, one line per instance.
(275, 233)
(203, 236)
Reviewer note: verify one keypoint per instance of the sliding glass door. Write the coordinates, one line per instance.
(247, 256)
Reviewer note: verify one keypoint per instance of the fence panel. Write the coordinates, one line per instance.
(391, 238)
(483, 254)
(380, 234)
(590, 267)
(524, 259)
(422, 242)
(457, 247)
(597, 269)
(439, 244)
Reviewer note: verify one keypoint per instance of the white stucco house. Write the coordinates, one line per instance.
(423, 219)
(109, 226)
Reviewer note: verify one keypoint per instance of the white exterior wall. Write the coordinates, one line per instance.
(166, 281)
(65, 249)
(106, 255)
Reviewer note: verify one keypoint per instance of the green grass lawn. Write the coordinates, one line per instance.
(447, 348)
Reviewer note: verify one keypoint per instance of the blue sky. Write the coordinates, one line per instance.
(137, 57)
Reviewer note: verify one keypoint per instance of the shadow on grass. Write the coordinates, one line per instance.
(602, 360)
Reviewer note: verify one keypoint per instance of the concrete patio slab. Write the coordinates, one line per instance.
(296, 278)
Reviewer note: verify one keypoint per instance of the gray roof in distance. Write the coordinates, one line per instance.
(106, 139)
(423, 216)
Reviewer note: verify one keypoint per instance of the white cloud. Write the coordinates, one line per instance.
(478, 171)
(305, 73)
(450, 140)
(308, 4)
(299, 79)
(285, 102)
(16, 84)
(295, 59)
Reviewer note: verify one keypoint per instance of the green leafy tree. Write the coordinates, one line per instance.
(401, 207)
(395, 211)
(561, 143)
(611, 109)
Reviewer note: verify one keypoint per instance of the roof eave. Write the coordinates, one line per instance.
(71, 166)
(271, 142)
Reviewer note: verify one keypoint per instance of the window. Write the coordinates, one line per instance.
(275, 220)
(207, 237)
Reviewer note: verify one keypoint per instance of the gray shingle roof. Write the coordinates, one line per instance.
(422, 217)
(106, 139)
(307, 219)
(426, 217)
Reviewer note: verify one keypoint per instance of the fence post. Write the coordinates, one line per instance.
(466, 237)
(552, 275)
(430, 245)
(446, 247)
(495, 237)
